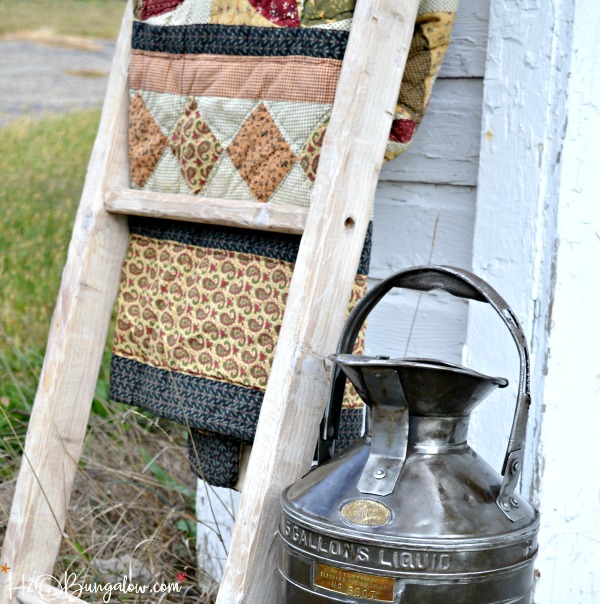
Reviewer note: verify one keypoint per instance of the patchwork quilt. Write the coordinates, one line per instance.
(231, 99)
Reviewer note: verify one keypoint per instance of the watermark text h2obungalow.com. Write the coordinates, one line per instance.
(48, 588)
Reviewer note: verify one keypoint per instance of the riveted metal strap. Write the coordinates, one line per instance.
(389, 438)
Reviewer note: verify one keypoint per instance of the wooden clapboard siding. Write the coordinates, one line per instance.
(416, 223)
(446, 145)
(466, 55)
(426, 201)
(438, 331)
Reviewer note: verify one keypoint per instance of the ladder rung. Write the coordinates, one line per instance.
(190, 208)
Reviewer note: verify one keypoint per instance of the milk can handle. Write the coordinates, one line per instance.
(463, 284)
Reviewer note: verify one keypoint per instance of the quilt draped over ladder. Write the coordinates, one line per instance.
(231, 99)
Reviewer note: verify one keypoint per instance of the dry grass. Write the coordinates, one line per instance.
(85, 73)
(49, 37)
(132, 510)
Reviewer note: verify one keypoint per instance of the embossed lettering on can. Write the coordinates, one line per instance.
(365, 512)
(352, 583)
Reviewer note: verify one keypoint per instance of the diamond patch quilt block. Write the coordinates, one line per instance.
(261, 153)
(196, 148)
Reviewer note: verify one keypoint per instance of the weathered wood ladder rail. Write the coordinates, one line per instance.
(334, 228)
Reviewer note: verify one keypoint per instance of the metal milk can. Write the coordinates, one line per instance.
(410, 513)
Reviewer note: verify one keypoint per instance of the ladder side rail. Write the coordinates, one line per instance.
(75, 346)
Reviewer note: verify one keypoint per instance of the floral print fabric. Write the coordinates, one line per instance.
(199, 311)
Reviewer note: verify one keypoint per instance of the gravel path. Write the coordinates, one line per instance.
(35, 78)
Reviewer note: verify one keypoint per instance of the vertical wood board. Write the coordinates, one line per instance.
(569, 483)
(529, 89)
(521, 139)
(216, 509)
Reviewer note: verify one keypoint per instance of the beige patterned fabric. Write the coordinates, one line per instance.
(316, 12)
(301, 79)
(261, 153)
(220, 322)
(196, 148)
(299, 128)
(237, 12)
(438, 6)
(199, 311)
(146, 142)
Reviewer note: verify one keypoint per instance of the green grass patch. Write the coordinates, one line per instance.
(86, 18)
(43, 165)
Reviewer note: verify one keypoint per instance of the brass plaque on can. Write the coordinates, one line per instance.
(365, 512)
(352, 583)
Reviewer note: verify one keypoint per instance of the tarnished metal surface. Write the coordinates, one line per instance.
(410, 513)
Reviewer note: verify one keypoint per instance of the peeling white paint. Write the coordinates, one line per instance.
(534, 242)
(569, 492)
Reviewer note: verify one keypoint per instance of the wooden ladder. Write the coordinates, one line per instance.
(334, 229)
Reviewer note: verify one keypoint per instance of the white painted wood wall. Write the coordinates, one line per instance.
(488, 185)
